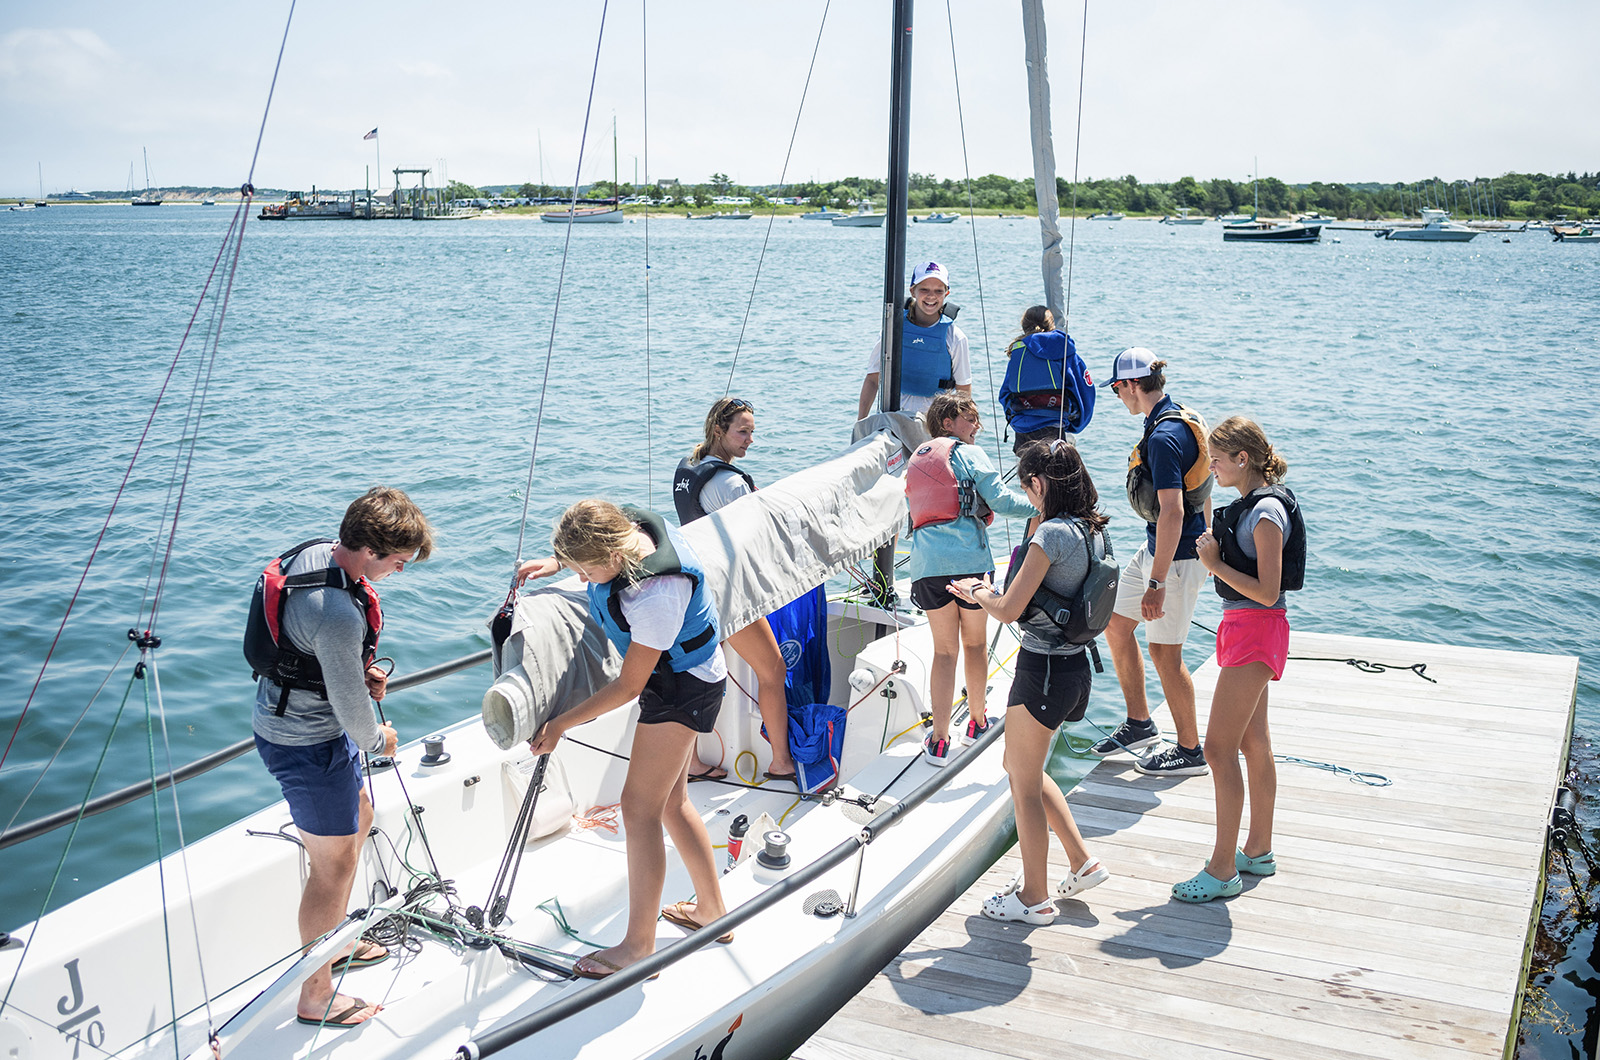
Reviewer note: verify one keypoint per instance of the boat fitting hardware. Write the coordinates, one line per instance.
(824, 904)
(774, 853)
(435, 754)
(471, 781)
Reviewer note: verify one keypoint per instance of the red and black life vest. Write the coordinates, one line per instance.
(933, 492)
(268, 649)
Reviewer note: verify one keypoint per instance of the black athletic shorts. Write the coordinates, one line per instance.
(930, 594)
(1054, 688)
(1043, 434)
(683, 698)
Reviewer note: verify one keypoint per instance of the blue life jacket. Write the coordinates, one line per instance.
(697, 640)
(1045, 375)
(925, 364)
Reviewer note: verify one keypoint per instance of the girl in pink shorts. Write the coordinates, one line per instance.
(1256, 548)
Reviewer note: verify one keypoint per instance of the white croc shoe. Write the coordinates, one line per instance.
(1091, 874)
(1007, 906)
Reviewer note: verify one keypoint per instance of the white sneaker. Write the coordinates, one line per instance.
(1092, 874)
(1007, 906)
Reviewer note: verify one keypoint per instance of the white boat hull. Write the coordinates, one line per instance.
(96, 969)
(584, 217)
(1432, 235)
(860, 220)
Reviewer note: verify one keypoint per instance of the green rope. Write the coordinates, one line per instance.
(560, 917)
(71, 835)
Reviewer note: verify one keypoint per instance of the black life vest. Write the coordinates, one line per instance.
(1084, 615)
(690, 479)
(1197, 478)
(1224, 527)
(268, 649)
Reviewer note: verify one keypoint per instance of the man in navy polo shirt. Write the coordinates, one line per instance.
(1169, 486)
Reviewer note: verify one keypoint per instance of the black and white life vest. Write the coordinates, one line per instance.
(692, 478)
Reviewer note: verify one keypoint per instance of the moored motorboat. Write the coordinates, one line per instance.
(1107, 216)
(588, 215)
(1575, 234)
(862, 218)
(1436, 227)
(936, 218)
(1183, 218)
(823, 214)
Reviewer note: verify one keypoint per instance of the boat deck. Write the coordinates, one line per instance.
(1398, 924)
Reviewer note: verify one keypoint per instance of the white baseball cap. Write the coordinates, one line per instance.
(1135, 362)
(930, 270)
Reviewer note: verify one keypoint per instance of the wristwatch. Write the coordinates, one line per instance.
(1155, 584)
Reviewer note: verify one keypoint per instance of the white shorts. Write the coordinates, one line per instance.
(1184, 579)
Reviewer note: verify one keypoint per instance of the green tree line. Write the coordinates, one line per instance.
(1511, 195)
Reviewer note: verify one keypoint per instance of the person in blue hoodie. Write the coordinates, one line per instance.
(1046, 392)
(954, 491)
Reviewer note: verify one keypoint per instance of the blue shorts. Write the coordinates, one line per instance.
(320, 781)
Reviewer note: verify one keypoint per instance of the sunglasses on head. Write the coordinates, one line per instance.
(739, 405)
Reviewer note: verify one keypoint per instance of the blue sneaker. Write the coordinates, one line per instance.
(974, 730)
(936, 752)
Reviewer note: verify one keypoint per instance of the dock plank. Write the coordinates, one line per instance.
(1396, 927)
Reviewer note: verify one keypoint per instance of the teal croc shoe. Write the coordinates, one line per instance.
(1205, 887)
(1265, 865)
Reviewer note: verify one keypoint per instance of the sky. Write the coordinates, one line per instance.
(1358, 90)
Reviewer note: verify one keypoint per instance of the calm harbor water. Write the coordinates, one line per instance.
(1427, 398)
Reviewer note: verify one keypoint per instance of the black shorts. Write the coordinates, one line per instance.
(1054, 688)
(683, 698)
(930, 594)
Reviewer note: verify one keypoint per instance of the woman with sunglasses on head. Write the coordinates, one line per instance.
(1256, 548)
(707, 480)
(1052, 679)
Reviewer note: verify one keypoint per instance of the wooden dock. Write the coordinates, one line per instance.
(1398, 925)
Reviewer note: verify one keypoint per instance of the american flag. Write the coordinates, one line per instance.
(373, 135)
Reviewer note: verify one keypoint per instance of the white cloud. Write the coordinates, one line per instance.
(40, 64)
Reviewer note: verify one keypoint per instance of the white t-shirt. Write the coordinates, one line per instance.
(960, 368)
(655, 609)
(724, 488)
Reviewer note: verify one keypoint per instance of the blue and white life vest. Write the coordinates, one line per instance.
(925, 364)
(1045, 375)
(697, 640)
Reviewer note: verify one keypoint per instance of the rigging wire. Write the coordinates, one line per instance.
(555, 313)
(773, 215)
(1077, 149)
(644, 93)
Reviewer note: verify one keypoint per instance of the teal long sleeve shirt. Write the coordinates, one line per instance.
(962, 546)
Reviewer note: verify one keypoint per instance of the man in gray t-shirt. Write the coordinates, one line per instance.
(310, 733)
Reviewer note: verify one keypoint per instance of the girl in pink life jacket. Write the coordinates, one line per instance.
(954, 492)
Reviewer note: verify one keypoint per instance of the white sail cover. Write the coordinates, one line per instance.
(759, 553)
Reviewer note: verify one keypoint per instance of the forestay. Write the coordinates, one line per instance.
(759, 552)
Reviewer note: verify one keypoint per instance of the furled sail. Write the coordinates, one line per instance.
(759, 552)
(1044, 154)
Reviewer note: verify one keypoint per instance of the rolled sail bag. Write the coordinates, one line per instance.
(554, 659)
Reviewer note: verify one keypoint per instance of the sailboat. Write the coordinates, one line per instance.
(148, 198)
(823, 890)
(1257, 231)
(593, 214)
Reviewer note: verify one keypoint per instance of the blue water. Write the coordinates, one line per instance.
(1426, 397)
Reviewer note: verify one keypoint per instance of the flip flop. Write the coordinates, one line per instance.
(713, 773)
(595, 958)
(1204, 887)
(338, 1020)
(781, 776)
(674, 914)
(352, 962)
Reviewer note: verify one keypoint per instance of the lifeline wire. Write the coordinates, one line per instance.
(772, 217)
(555, 313)
(1077, 147)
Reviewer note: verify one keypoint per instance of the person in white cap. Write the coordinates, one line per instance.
(934, 353)
(1169, 486)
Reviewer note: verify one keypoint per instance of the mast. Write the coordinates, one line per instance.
(1044, 155)
(894, 264)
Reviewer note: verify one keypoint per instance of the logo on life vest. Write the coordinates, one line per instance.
(681, 486)
(790, 650)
